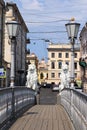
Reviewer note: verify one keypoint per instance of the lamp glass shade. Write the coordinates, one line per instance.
(12, 27)
(72, 29)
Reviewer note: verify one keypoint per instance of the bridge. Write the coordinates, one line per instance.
(21, 109)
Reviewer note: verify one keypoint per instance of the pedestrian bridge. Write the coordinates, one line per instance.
(69, 113)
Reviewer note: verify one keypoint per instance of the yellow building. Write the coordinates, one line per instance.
(20, 45)
(59, 54)
(42, 72)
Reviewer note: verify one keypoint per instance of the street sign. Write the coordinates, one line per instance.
(3, 74)
(1, 70)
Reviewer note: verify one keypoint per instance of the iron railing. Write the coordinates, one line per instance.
(14, 100)
(75, 103)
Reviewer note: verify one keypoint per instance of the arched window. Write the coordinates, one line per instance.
(41, 76)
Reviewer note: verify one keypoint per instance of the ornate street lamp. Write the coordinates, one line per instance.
(72, 30)
(12, 27)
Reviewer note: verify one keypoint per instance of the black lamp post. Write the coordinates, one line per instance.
(72, 30)
(12, 27)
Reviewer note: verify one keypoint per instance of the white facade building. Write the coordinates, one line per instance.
(57, 55)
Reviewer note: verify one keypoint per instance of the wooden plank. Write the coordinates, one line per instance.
(50, 124)
(44, 124)
(39, 125)
(54, 113)
(55, 124)
(28, 124)
(44, 117)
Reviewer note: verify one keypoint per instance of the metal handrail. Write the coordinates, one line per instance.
(75, 103)
(13, 100)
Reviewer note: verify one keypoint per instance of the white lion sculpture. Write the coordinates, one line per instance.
(31, 77)
(65, 77)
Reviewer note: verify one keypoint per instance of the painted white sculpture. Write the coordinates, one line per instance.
(31, 77)
(65, 77)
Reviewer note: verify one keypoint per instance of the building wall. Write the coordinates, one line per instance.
(20, 45)
(2, 23)
(2, 26)
(83, 42)
(42, 72)
(57, 56)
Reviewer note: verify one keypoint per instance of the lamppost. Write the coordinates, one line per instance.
(72, 30)
(12, 27)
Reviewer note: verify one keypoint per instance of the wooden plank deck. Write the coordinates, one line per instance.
(44, 117)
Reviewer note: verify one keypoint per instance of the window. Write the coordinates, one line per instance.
(75, 65)
(67, 55)
(52, 75)
(59, 75)
(52, 65)
(41, 76)
(59, 64)
(60, 55)
(75, 55)
(47, 75)
(52, 55)
(75, 75)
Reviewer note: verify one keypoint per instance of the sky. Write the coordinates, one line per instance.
(46, 20)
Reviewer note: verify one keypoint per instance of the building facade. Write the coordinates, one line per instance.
(2, 23)
(20, 45)
(59, 54)
(42, 72)
(3, 64)
(83, 58)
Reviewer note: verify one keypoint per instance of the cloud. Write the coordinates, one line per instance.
(32, 4)
(55, 9)
(48, 11)
(52, 10)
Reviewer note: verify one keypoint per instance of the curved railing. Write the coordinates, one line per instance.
(75, 103)
(13, 101)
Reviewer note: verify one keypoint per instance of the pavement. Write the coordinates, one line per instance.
(47, 96)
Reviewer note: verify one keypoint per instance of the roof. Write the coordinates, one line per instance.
(18, 13)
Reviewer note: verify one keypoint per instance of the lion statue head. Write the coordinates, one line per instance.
(65, 68)
(31, 68)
